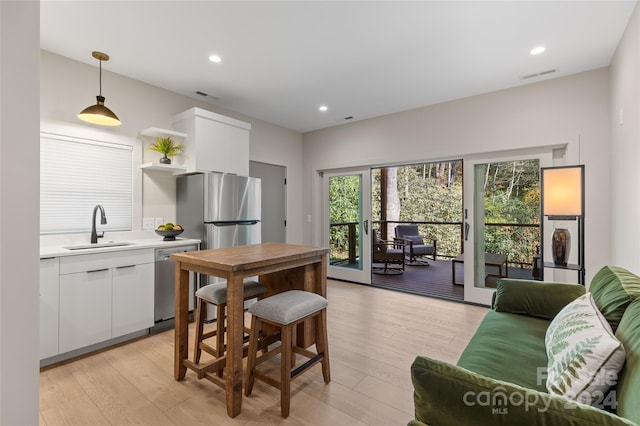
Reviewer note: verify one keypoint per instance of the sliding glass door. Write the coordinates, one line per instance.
(346, 224)
(501, 221)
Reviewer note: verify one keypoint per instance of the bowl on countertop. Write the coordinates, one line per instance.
(169, 235)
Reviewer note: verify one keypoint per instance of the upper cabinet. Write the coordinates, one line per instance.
(214, 143)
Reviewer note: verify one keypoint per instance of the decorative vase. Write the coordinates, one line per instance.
(165, 160)
(560, 246)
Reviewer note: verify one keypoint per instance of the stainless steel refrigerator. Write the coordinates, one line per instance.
(221, 210)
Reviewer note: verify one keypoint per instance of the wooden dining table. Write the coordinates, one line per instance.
(278, 266)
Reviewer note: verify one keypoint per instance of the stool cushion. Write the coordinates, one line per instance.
(217, 293)
(289, 306)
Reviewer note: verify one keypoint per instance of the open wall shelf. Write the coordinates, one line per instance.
(163, 168)
(153, 133)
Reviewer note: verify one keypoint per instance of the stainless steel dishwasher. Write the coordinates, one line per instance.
(164, 303)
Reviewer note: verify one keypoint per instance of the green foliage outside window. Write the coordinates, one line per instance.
(344, 213)
(427, 193)
(432, 192)
(512, 196)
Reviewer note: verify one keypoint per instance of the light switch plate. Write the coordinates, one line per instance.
(158, 221)
(148, 223)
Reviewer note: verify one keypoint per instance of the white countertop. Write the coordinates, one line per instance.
(54, 245)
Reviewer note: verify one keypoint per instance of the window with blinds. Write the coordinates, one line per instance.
(76, 175)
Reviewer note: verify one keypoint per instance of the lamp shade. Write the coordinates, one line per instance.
(562, 191)
(99, 114)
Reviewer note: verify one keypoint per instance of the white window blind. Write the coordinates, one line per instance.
(75, 175)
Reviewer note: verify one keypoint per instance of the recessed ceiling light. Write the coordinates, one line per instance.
(215, 59)
(537, 50)
(323, 108)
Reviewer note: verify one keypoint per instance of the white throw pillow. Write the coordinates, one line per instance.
(584, 357)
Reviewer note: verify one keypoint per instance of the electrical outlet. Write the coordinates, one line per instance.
(159, 221)
(148, 223)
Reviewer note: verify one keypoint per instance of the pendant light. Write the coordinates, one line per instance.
(98, 113)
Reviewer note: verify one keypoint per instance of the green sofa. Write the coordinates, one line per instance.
(498, 380)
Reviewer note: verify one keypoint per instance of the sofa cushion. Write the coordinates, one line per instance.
(446, 394)
(628, 332)
(508, 347)
(613, 289)
(536, 298)
(584, 356)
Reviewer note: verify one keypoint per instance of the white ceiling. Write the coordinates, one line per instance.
(281, 60)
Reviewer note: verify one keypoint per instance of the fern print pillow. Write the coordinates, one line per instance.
(584, 357)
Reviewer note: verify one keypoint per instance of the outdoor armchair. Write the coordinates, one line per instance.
(388, 253)
(417, 248)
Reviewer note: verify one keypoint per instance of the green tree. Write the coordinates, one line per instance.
(432, 192)
(344, 209)
(512, 196)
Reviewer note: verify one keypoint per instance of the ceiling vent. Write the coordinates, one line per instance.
(206, 95)
(539, 74)
(343, 119)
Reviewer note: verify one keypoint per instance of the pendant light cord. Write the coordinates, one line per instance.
(100, 77)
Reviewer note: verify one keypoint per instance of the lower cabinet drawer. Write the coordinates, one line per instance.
(95, 261)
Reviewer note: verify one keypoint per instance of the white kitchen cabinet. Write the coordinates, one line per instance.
(133, 293)
(236, 145)
(85, 308)
(104, 295)
(49, 298)
(214, 143)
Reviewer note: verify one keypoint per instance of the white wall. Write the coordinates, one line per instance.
(625, 148)
(19, 212)
(283, 147)
(68, 86)
(572, 110)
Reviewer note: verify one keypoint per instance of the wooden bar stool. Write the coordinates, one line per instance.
(216, 294)
(285, 311)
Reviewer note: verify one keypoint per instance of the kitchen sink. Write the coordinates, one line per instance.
(98, 245)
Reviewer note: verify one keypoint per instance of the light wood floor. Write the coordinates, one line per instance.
(374, 335)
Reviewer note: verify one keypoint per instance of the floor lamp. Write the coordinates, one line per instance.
(563, 199)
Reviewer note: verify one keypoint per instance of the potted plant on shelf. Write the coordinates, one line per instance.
(167, 147)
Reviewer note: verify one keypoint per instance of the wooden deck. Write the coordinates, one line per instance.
(434, 280)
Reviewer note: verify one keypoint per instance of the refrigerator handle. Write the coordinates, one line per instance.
(232, 222)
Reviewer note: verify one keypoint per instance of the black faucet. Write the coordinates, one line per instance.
(103, 221)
